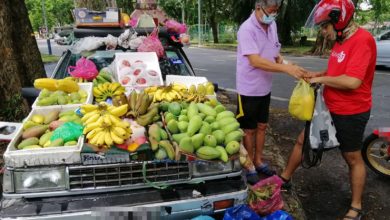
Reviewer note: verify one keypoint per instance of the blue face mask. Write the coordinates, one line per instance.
(268, 19)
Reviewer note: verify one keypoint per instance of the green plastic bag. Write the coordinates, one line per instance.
(69, 131)
(301, 104)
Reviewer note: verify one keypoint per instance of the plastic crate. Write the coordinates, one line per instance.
(42, 156)
(88, 87)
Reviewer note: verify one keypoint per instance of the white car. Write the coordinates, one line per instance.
(383, 49)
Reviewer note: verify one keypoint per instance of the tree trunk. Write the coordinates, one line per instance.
(285, 26)
(322, 46)
(212, 19)
(21, 60)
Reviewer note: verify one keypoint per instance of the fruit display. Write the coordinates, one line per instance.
(59, 97)
(64, 85)
(159, 142)
(138, 73)
(205, 129)
(103, 125)
(141, 108)
(107, 90)
(199, 93)
(172, 92)
(102, 77)
(39, 128)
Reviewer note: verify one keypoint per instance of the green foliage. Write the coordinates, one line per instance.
(12, 110)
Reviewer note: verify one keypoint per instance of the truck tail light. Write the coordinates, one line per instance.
(223, 204)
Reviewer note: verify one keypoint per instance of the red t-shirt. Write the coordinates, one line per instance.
(356, 57)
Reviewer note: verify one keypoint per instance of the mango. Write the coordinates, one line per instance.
(174, 108)
(209, 119)
(186, 145)
(62, 100)
(177, 137)
(232, 147)
(224, 156)
(231, 127)
(183, 125)
(69, 112)
(197, 140)
(38, 118)
(226, 121)
(183, 118)
(52, 100)
(215, 126)
(173, 127)
(194, 125)
(163, 134)
(202, 115)
(160, 154)
(207, 110)
(51, 116)
(35, 131)
(28, 142)
(205, 129)
(219, 108)
(29, 124)
(224, 114)
(44, 138)
(168, 117)
(219, 136)
(210, 140)
(208, 153)
(192, 110)
(154, 136)
(57, 143)
(233, 136)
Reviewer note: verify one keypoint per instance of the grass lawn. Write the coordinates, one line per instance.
(46, 58)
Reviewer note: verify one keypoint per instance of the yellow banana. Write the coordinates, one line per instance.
(108, 139)
(119, 111)
(121, 132)
(89, 107)
(101, 135)
(115, 120)
(94, 139)
(90, 127)
(92, 133)
(92, 119)
(97, 92)
(115, 138)
(107, 120)
(123, 124)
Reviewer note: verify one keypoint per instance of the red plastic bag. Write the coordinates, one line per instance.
(152, 44)
(175, 27)
(84, 68)
(265, 197)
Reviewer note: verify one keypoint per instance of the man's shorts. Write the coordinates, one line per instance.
(252, 110)
(350, 130)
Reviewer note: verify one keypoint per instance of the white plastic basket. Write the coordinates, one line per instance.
(188, 81)
(42, 156)
(88, 87)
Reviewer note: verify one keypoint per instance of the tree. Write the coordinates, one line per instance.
(21, 60)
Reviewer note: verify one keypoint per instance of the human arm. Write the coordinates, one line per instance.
(339, 82)
(258, 62)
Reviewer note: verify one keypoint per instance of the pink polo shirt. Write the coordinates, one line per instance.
(253, 39)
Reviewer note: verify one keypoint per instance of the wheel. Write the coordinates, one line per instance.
(376, 154)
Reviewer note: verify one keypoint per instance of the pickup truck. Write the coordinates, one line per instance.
(107, 190)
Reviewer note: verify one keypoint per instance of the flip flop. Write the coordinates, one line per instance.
(252, 178)
(359, 212)
(264, 169)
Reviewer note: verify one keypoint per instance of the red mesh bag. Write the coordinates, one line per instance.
(152, 44)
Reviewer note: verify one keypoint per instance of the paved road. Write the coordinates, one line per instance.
(56, 49)
(220, 66)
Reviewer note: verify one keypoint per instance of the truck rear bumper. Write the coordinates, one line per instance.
(178, 202)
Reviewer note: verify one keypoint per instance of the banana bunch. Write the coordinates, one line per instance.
(103, 127)
(173, 92)
(103, 77)
(77, 80)
(142, 109)
(107, 90)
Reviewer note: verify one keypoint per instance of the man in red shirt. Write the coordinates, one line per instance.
(347, 93)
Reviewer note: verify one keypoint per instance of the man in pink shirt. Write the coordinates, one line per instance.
(257, 59)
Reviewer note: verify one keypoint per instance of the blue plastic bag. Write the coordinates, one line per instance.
(240, 212)
(203, 217)
(278, 215)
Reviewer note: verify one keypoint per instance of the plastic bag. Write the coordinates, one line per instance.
(152, 44)
(124, 39)
(278, 215)
(136, 41)
(301, 104)
(203, 217)
(240, 212)
(84, 68)
(69, 131)
(111, 42)
(175, 27)
(87, 44)
(264, 197)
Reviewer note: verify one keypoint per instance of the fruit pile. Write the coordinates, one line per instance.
(107, 90)
(103, 125)
(103, 77)
(207, 129)
(172, 92)
(198, 93)
(141, 108)
(38, 130)
(47, 98)
(65, 85)
(159, 143)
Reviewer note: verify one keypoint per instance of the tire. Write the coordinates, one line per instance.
(367, 144)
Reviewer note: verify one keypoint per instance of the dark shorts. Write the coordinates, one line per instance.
(255, 109)
(350, 130)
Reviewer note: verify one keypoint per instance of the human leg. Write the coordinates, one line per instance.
(260, 140)
(295, 157)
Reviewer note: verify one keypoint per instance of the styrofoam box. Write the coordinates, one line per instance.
(42, 156)
(188, 81)
(138, 69)
(88, 87)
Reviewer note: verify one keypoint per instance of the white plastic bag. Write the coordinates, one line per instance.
(87, 44)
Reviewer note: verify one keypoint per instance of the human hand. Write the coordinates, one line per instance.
(296, 71)
(309, 75)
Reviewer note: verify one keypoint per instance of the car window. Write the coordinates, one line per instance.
(386, 36)
(174, 64)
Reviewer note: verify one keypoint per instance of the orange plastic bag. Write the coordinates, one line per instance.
(302, 101)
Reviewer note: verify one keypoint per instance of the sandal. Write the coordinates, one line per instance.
(287, 185)
(358, 217)
(252, 178)
(264, 169)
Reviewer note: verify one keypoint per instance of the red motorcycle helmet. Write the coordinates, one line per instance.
(338, 12)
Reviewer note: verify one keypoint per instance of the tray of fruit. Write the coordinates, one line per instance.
(33, 144)
(203, 131)
(66, 93)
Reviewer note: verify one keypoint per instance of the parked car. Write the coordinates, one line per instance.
(383, 49)
(195, 187)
